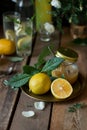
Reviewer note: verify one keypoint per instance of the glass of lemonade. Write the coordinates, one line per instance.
(9, 18)
(24, 32)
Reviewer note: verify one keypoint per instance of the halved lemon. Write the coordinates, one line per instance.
(23, 42)
(61, 88)
(10, 34)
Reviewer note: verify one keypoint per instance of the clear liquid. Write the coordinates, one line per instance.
(8, 24)
(24, 45)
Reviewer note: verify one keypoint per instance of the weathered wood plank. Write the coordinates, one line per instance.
(64, 120)
(42, 118)
(8, 96)
(39, 122)
(60, 117)
(7, 102)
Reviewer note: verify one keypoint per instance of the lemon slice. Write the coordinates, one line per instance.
(10, 34)
(23, 42)
(20, 31)
(61, 88)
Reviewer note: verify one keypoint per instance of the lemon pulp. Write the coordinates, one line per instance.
(61, 88)
(10, 35)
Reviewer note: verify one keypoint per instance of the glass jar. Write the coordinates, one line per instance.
(68, 69)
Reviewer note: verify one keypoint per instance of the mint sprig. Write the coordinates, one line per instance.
(42, 57)
(18, 80)
(21, 79)
(30, 70)
(52, 64)
(76, 106)
(15, 59)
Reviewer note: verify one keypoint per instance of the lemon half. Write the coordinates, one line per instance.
(61, 88)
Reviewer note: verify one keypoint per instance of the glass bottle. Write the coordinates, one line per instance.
(68, 69)
(42, 10)
(25, 8)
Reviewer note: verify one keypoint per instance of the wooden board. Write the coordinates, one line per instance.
(55, 116)
(8, 97)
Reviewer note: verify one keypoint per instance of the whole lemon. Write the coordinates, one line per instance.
(40, 83)
(7, 47)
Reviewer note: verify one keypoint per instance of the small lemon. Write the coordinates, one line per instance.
(7, 47)
(40, 83)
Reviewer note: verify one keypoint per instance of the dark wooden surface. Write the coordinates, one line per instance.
(8, 97)
(55, 116)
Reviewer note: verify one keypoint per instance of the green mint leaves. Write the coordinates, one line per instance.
(75, 107)
(18, 80)
(52, 64)
(15, 59)
(42, 65)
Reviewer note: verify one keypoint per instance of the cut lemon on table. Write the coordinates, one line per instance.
(61, 88)
(23, 42)
(39, 83)
(10, 35)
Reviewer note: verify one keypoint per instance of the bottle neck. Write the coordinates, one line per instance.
(14, 1)
(23, 3)
(25, 8)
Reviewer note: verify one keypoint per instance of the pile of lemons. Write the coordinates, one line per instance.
(41, 83)
(7, 47)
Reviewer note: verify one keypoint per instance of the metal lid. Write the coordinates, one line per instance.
(67, 54)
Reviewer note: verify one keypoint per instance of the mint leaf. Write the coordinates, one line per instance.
(52, 64)
(30, 70)
(75, 107)
(78, 105)
(41, 58)
(18, 80)
(15, 59)
(72, 109)
(45, 52)
(80, 41)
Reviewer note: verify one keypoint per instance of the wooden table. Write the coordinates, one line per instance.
(55, 116)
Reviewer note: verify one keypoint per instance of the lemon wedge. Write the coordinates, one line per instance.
(10, 34)
(23, 42)
(20, 31)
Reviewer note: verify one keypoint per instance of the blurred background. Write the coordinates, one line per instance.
(6, 5)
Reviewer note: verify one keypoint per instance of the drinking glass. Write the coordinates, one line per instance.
(46, 30)
(9, 18)
(24, 33)
(44, 34)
